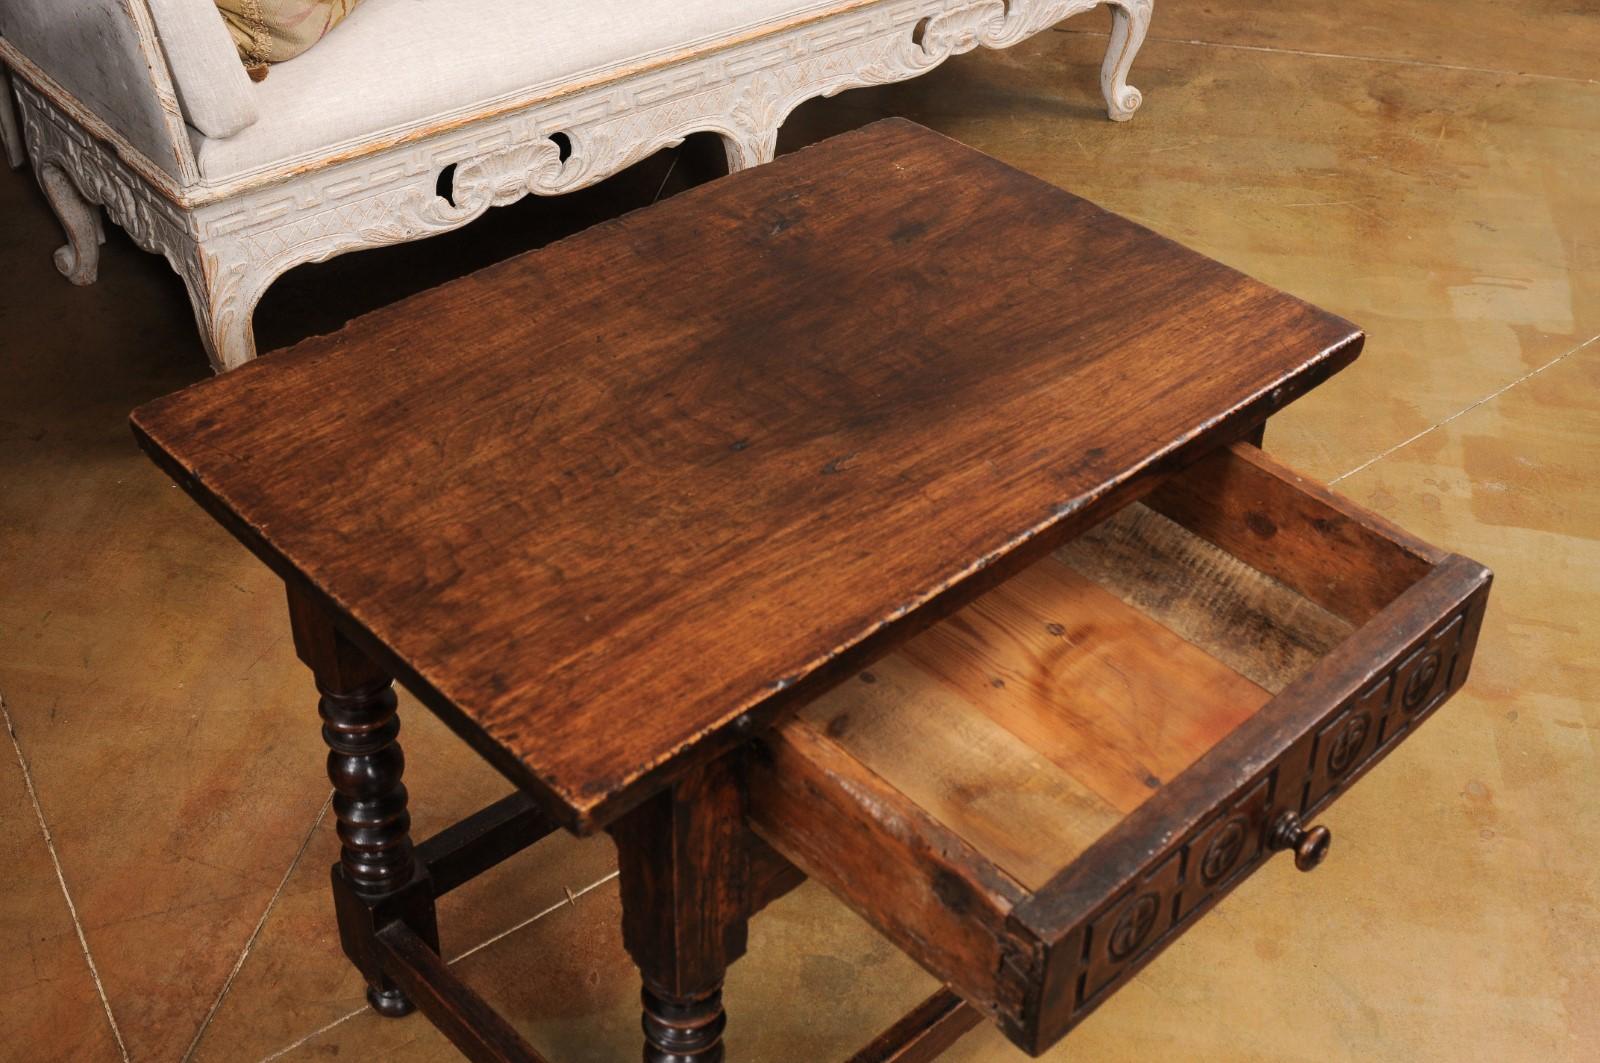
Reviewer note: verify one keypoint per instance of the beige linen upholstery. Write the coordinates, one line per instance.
(396, 63)
(212, 86)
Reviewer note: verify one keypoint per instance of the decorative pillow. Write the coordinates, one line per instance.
(270, 31)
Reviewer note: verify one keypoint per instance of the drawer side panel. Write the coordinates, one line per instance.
(924, 888)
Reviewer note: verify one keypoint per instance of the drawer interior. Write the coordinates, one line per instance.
(1036, 793)
(1032, 721)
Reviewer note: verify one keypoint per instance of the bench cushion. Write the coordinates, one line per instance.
(396, 65)
(212, 87)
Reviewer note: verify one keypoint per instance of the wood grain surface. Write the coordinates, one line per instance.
(1249, 621)
(1030, 722)
(607, 505)
(1345, 558)
(1105, 692)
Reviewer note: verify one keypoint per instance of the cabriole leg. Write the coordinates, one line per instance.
(224, 285)
(1130, 20)
(377, 879)
(79, 258)
(685, 900)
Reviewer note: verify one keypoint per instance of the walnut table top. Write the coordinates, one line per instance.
(607, 506)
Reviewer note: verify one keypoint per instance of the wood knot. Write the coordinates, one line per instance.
(1260, 524)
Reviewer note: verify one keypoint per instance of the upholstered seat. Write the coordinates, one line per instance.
(396, 65)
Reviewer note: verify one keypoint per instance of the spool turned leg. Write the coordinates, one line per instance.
(679, 1030)
(685, 899)
(376, 879)
(365, 763)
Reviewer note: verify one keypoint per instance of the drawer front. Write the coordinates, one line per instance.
(876, 815)
(1387, 710)
(1037, 962)
(1176, 885)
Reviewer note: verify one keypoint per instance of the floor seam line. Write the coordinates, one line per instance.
(1464, 410)
(1309, 54)
(244, 954)
(318, 1032)
(61, 879)
(570, 898)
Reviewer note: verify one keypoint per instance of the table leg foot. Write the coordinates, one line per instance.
(683, 1031)
(389, 1002)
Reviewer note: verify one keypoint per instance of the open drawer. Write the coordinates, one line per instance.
(1036, 795)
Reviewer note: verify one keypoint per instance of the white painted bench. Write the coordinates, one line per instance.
(141, 106)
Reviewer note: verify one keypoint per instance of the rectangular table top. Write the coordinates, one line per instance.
(608, 505)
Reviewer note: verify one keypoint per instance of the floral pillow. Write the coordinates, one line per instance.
(270, 31)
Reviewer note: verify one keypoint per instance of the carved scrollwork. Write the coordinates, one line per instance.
(961, 29)
(53, 139)
(497, 179)
(1130, 21)
(1421, 682)
(506, 176)
(1026, 19)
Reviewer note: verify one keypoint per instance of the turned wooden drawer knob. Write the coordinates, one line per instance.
(1310, 846)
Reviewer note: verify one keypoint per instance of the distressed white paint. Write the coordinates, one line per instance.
(105, 53)
(229, 248)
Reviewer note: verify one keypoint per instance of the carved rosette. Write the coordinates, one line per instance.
(1134, 926)
(1222, 854)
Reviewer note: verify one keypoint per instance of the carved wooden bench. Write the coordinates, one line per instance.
(139, 106)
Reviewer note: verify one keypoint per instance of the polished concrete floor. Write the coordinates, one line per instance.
(1431, 171)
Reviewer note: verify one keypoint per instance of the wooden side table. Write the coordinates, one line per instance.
(883, 515)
